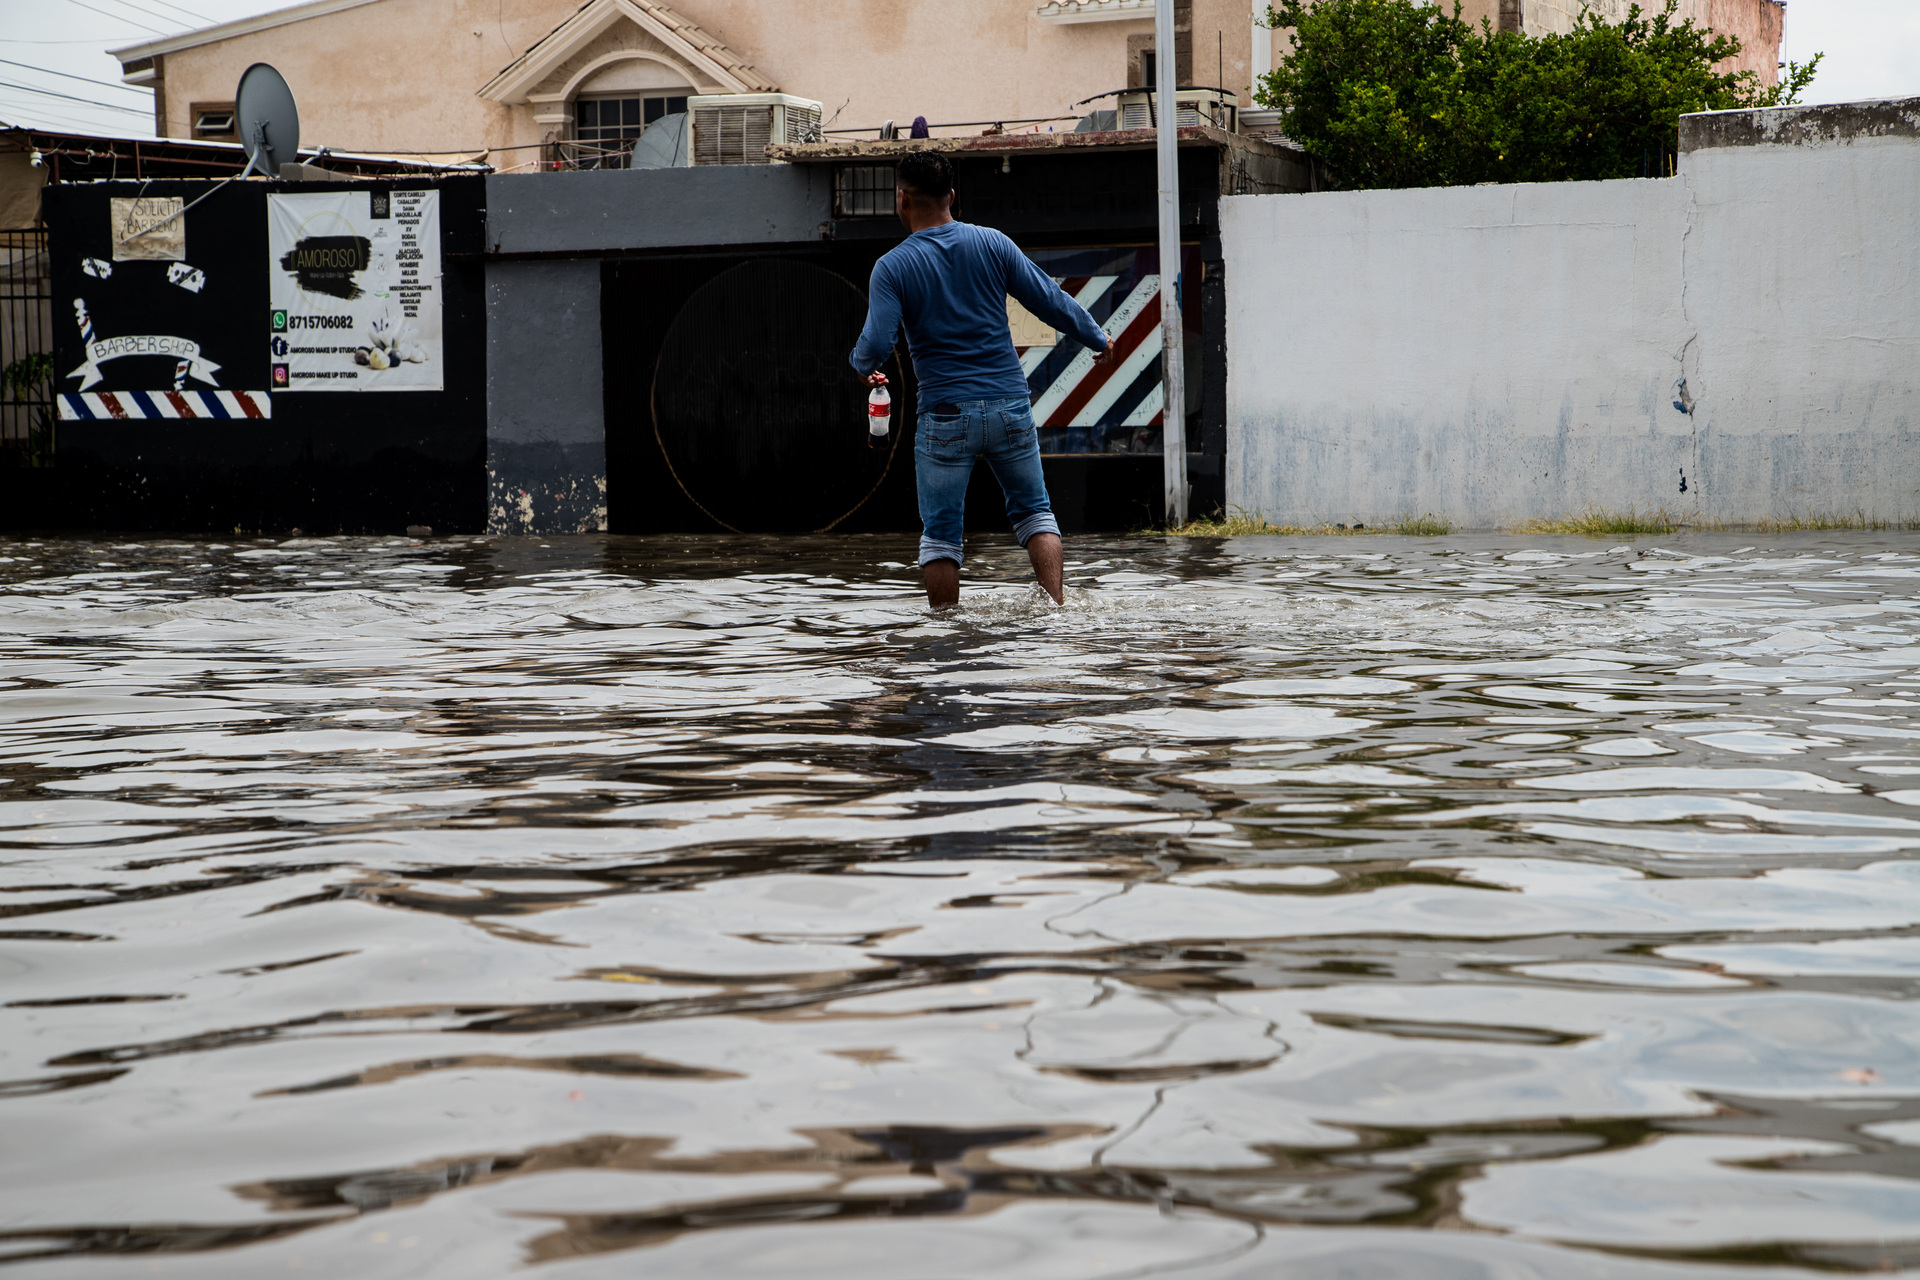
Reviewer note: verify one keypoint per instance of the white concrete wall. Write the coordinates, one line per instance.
(1492, 354)
(1802, 276)
(1486, 353)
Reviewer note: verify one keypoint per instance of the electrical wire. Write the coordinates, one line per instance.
(147, 13)
(49, 71)
(443, 151)
(54, 124)
(132, 111)
(218, 186)
(46, 121)
(116, 17)
(76, 120)
(197, 17)
(77, 108)
(34, 97)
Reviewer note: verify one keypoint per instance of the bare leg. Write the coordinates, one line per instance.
(943, 584)
(1048, 564)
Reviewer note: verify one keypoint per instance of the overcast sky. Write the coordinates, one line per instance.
(1872, 48)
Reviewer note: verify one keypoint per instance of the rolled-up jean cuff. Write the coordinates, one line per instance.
(932, 549)
(1038, 522)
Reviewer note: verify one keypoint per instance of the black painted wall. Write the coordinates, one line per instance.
(639, 300)
(1081, 198)
(349, 462)
(373, 462)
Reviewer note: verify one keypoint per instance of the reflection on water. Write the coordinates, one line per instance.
(1467, 907)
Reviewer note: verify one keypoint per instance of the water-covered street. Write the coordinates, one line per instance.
(1471, 906)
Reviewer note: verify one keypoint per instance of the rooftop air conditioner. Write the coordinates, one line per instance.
(735, 128)
(1136, 108)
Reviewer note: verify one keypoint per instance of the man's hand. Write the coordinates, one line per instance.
(876, 379)
(1106, 356)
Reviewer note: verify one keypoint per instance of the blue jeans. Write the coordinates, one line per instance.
(944, 447)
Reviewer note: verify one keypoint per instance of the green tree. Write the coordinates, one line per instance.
(1399, 93)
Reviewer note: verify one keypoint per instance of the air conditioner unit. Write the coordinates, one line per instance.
(1137, 109)
(735, 128)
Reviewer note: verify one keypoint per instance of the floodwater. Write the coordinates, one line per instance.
(1349, 907)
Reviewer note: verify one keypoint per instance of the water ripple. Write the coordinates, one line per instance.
(1469, 907)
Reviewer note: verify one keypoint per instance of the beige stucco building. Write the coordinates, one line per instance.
(473, 77)
(506, 81)
(1758, 24)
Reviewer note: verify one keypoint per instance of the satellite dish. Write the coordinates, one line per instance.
(663, 145)
(268, 122)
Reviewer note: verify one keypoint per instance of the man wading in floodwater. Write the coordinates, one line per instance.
(948, 282)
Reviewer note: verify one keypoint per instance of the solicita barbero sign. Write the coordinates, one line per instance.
(354, 291)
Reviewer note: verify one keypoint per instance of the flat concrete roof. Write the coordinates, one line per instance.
(876, 151)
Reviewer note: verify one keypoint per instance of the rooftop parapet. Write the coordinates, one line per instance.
(874, 150)
(1839, 122)
(1248, 166)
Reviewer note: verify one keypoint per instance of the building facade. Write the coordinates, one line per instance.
(474, 78)
(509, 83)
(1757, 24)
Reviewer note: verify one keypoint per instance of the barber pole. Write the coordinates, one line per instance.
(108, 406)
(1118, 406)
(180, 374)
(1083, 393)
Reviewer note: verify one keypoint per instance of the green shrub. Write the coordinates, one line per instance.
(1397, 93)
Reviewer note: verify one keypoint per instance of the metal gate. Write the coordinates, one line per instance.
(752, 396)
(26, 350)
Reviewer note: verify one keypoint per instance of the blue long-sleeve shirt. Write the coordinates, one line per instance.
(949, 285)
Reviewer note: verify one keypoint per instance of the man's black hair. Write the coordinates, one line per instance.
(928, 174)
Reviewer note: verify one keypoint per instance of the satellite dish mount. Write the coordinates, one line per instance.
(269, 124)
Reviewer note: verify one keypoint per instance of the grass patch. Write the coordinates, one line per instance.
(1237, 524)
(1426, 526)
(1593, 523)
(1797, 524)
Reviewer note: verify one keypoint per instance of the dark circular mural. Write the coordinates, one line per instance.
(755, 407)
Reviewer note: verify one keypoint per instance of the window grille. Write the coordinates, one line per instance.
(863, 191)
(605, 129)
(26, 350)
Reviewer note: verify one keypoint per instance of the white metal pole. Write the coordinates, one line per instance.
(1173, 380)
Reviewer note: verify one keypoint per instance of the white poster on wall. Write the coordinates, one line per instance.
(355, 290)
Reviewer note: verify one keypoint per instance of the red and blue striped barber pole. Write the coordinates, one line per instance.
(93, 406)
(1081, 407)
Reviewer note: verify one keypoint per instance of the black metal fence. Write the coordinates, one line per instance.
(26, 350)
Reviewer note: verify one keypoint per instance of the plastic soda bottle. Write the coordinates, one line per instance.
(879, 417)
